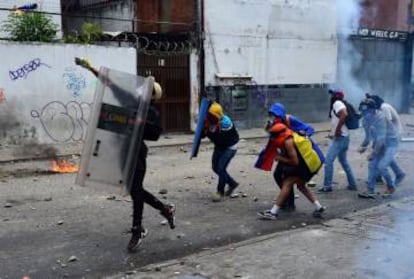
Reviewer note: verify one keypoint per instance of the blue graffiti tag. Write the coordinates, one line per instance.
(75, 82)
(23, 71)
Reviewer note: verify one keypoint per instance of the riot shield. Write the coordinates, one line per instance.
(115, 128)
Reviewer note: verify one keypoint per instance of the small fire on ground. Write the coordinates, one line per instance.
(63, 166)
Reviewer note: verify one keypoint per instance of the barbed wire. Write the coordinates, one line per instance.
(152, 46)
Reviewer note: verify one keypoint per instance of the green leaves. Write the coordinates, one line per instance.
(91, 32)
(30, 27)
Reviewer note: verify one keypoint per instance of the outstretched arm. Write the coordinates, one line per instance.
(123, 96)
(87, 65)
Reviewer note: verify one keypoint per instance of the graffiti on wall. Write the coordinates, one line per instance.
(64, 122)
(27, 68)
(75, 82)
(2, 96)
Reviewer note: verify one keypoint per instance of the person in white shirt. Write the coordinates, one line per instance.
(339, 144)
(392, 116)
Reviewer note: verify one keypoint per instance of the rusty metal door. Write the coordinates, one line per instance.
(172, 72)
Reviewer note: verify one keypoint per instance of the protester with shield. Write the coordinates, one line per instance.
(219, 128)
(151, 131)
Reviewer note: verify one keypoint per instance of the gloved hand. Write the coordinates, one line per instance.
(83, 62)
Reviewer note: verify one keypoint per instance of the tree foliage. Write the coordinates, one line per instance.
(90, 33)
(30, 27)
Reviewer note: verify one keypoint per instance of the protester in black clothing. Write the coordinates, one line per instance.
(152, 131)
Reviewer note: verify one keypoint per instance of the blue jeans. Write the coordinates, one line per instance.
(338, 148)
(379, 164)
(220, 161)
(396, 169)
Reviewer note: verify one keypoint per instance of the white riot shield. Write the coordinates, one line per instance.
(115, 128)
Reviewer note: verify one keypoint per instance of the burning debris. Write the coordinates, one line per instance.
(63, 166)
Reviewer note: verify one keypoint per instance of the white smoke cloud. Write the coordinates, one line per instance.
(349, 59)
(348, 15)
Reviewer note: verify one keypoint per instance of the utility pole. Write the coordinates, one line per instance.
(200, 44)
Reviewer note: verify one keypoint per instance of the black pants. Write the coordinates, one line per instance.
(278, 176)
(140, 195)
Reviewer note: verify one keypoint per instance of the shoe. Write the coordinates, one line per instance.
(325, 190)
(388, 193)
(366, 195)
(169, 213)
(399, 179)
(217, 197)
(136, 239)
(230, 190)
(267, 215)
(318, 212)
(352, 188)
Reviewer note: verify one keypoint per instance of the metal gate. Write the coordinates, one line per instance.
(172, 72)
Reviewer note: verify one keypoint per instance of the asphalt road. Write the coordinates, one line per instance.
(52, 228)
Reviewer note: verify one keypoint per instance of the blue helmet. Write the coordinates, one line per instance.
(278, 110)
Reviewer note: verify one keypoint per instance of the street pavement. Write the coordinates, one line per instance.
(372, 243)
(46, 219)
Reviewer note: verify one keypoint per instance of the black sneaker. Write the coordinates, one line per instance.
(318, 212)
(325, 190)
(169, 213)
(267, 215)
(231, 190)
(136, 239)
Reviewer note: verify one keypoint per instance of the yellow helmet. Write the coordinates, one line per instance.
(216, 110)
(156, 91)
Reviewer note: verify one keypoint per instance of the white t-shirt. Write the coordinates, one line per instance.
(336, 108)
(391, 114)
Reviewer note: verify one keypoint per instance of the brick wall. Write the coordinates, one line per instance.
(385, 14)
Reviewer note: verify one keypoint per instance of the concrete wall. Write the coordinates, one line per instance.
(273, 42)
(51, 6)
(44, 97)
(247, 105)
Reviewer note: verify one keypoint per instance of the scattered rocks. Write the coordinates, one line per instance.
(189, 177)
(111, 198)
(60, 222)
(164, 222)
(72, 259)
(8, 205)
(163, 192)
(255, 199)
(47, 199)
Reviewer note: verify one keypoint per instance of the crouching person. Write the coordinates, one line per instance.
(298, 159)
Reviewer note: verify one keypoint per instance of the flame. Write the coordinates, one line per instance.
(63, 166)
